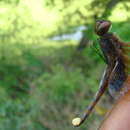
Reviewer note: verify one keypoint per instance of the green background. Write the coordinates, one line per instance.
(44, 82)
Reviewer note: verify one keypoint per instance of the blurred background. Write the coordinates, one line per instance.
(50, 66)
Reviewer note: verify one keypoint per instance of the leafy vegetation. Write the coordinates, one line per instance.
(45, 83)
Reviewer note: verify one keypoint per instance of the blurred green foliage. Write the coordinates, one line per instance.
(44, 83)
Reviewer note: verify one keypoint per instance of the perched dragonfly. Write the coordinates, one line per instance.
(116, 54)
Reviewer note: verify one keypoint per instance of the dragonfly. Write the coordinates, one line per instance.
(117, 58)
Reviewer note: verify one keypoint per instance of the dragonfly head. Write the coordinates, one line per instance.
(102, 27)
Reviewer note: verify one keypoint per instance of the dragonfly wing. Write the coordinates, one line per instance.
(116, 80)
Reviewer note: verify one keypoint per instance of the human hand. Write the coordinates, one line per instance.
(119, 117)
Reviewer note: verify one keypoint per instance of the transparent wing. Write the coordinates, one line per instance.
(98, 51)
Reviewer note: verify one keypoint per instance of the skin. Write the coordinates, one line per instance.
(119, 117)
